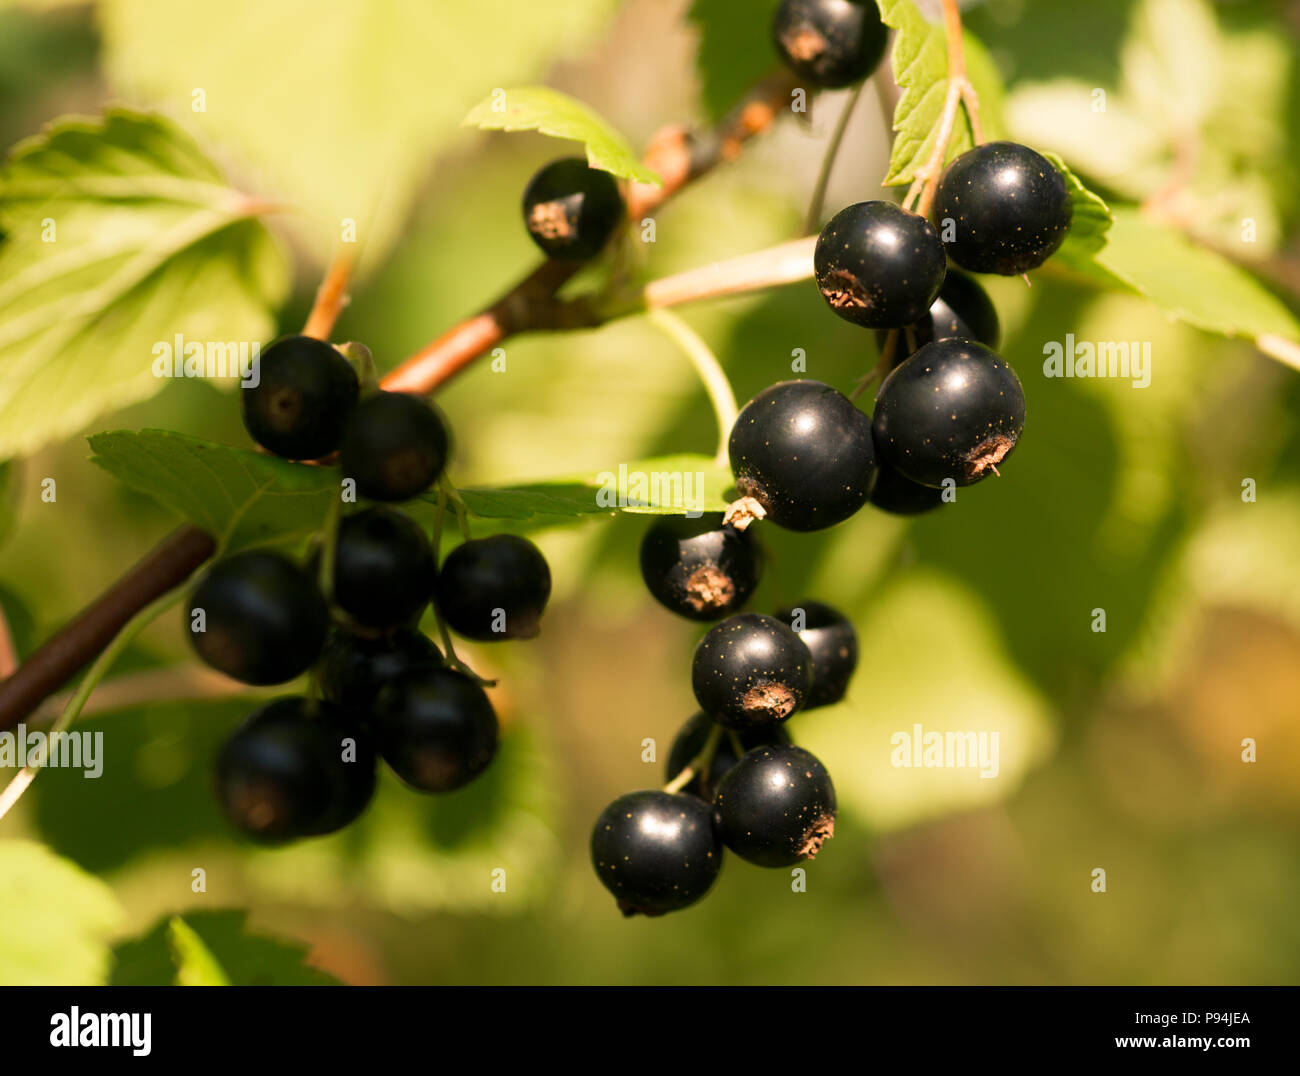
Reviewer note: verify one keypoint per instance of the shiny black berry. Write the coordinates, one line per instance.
(833, 644)
(750, 670)
(689, 742)
(963, 309)
(258, 617)
(655, 851)
(571, 209)
(1002, 208)
(879, 265)
(953, 410)
(394, 446)
(830, 43)
(494, 588)
(295, 768)
(899, 495)
(804, 452)
(383, 568)
(776, 807)
(354, 668)
(304, 394)
(435, 728)
(699, 568)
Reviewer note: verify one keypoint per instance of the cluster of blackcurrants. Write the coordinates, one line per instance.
(305, 765)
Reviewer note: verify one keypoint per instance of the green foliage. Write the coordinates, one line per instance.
(1090, 222)
(212, 948)
(56, 922)
(120, 235)
(735, 49)
(340, 110)
(549, 112)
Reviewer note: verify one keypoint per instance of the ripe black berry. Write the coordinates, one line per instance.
(879, 265)
(690, 740)
(953, 410)
(263, 618)
(303, 396)
(750, 670)
(571, 209)
(833, 644)
(383, 567)
(895, 493)
(435, 728)
(830, 43)
(394, 446)
(699, 568)
(655, 851)
(804, 452)
(963, 309)
(354, 668)
(776, 807)
(295, 768)
(494, 588)
(1009, 207)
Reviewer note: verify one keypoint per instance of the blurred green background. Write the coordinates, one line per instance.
(1119, 750)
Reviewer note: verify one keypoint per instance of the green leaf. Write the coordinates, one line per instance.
(920, 61)
(241, 958)
(1090, 223)
(56, 922)
(1192, 283)
(195, 964)
(549, 112)
(735, 49)
(120, 236)
(667, 485)
(341, 111)
(8, 497)
(239, 496)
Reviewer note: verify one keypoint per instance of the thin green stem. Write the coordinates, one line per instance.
(329, 547)
(812, 223)
(89, 682)
(453, 659)
(700, 763)
(711, 374)
(445, 488)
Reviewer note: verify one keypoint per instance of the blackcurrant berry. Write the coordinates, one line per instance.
(804, 452)
(655, 851)
(494, 588)
(435, 728)
(963, 309)
(295, 768)
(830, 43)
(699, 568)
(833, 644)
(383, 568)
(689, 742)
(304, 394)
(571, 209)
(750, 670)
(895, 493)
(258, 617)
(879, 265)
(776, 806)
(354, 668)
(394, 446)
(953, 410)
(1009, 207)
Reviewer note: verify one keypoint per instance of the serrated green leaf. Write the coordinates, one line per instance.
(120, 236)
(550, 112)
(1090, 222)
(241, 957)
(195, 964)
(241, 497)
(56, 922)
(339, 110)
(735, 49)
(920, 63)
(1192, 283)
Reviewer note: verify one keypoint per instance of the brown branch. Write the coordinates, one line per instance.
(8, 652)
